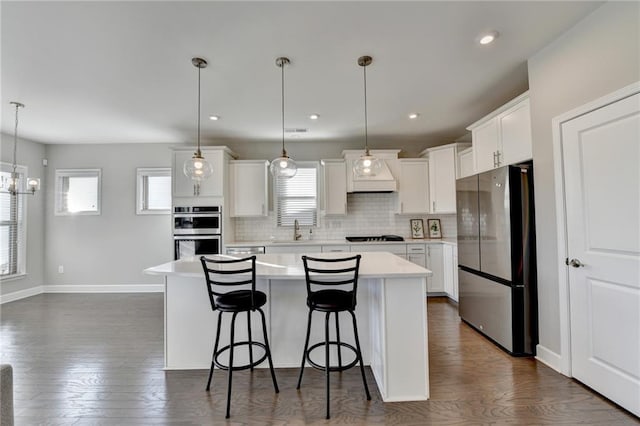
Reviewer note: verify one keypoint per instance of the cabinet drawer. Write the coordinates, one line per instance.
(343, 248)
(399, 249)
(416, 249)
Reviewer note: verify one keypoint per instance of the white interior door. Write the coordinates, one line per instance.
(601, 154)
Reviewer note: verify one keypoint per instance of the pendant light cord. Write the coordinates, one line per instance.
(15, 140)
(199, 152)
(366, 135)
(284, 152)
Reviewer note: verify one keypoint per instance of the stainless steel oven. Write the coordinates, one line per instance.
(196, 245)
(197, 231)
(197, 220)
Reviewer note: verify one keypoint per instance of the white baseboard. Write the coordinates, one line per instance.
(21, 294)
(549, 358)
(105, 288)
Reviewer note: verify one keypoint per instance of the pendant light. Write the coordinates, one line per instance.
(367, 164)
(198, 168)
(283, 166)
(13, 187)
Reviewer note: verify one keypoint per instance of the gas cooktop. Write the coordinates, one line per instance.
(375, 238)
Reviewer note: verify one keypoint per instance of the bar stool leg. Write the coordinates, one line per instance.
(304, 351)
(215, 349)
(267, 348)
(359, 354)
(326, 357)
(233, 328)
(249, 333)
(338, 340)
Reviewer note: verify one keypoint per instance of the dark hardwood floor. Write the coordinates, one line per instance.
(97, 360)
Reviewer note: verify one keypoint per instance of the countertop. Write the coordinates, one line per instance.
(269, 243)
(289, 266)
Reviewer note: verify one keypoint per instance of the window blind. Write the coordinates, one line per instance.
(296, 198)
(11, 230)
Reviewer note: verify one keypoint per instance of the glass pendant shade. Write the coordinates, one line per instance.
(197, 168)
(367, 165)
(13, 184)
(283, 166)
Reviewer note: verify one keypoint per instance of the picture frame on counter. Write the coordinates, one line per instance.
(417, 228)
(435, 230)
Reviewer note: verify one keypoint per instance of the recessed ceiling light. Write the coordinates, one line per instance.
(314, 116)
(413, 115)
(488, 37)
(214, 117)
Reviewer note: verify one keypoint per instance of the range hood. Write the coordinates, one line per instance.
(383, 181)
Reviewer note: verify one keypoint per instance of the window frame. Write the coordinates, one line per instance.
(276, 198)
(62, 173)
(141, 199)
(21, 240)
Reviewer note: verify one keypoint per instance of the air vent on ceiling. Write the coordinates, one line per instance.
(295, 130)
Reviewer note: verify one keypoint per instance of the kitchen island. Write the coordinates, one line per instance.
(391, 313)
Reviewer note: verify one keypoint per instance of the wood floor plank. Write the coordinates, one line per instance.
(96, 359)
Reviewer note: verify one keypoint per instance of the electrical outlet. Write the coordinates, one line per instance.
(60, 269)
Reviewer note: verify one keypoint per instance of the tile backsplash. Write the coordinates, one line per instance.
(367, 214)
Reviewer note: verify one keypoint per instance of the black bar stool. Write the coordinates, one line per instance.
(236, 273)
(324, 277)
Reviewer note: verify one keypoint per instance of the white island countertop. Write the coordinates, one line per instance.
(283, 266)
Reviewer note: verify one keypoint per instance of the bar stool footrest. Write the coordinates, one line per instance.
(332, 367)
(220, 351)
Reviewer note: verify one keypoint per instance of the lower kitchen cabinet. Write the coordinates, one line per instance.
(435, 262)
(416, 253)
(450, 270)
(337, 248)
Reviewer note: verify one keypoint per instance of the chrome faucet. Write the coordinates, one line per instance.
(296, 231)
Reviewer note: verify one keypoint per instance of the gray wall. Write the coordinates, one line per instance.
(599, 55)
(30, 154)
(114, 247)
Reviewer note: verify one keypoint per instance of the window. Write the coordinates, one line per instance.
(153, 195)
(296, 197)
(78, 191)
(12, 224)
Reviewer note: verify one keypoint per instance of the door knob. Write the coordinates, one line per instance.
(575, 263)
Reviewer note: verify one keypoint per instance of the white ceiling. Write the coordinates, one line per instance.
(116, 72)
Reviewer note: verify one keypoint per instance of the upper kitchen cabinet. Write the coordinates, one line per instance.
(248, 188)
(504, 136)
(465, 163)
(218, 156)
(413, 186)
(334, 178)
(442, 176)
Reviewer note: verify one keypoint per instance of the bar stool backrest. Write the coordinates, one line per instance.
(332, 272)
(228, 275)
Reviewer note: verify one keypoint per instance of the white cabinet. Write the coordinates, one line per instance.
(449, 271)
(336, 248)
(334, 174)
(211, 187)
(413, 188)
(248, 191)
(397, 249)
(504, 136)
(442, 177)
(294, 248)
(435, 283)
(416, 253)
(465, 163)
(455, 273)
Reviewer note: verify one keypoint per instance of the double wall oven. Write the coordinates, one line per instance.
(197, 231)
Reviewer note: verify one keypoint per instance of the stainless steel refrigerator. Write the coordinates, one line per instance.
(496, 256)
